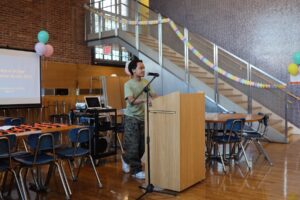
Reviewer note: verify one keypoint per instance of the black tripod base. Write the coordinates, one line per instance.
(150, 188)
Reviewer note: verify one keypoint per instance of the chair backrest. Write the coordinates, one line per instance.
(7, 120)
(80, 138)
(263, 123)
(10, 143)
(40, 141)
(57, 137)
(5, 147)
(15, 122)
(81, 135)
(45, 142)
(234, 127)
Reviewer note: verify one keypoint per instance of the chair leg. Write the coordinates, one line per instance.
(4, 178)
(79, 167)
(25, 145)
(242, 147)
(71, 170)
(23, 184)
(49, 174)
(21, 192)
(62, 180)
(95, 170)
(264, 152)
(222, 161)
(65, 177)
(34, 177)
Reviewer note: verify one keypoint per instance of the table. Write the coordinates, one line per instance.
(222, 117)
(212, 121)
(24, 130)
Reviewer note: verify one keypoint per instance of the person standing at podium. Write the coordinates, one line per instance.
(134, 132)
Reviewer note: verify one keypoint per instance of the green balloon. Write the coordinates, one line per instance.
(43, 36)
(296, 57)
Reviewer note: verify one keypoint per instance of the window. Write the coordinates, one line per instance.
(111, 8)
(112, 54)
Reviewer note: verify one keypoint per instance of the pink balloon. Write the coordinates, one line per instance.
(49, 50)
(126, 68)
(40, 48)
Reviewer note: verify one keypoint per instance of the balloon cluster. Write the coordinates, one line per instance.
(41, 48)
(293, 68)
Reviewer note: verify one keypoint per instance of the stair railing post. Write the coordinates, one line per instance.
(249, 77)
(137, 40)
(116, 15)
(186, 58)
(101, 24)
(216, 63)
(85, 25)
(286, 117)
(160, 46)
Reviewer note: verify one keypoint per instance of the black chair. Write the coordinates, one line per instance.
(81, 143)
(41, 145)
(13, 121)
(232, 135)
(7, 143)
(256, 135)
(7, 152)
(7, 120)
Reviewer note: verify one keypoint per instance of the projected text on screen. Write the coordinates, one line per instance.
(19, 78)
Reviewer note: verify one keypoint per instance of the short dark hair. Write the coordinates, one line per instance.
(133, 64)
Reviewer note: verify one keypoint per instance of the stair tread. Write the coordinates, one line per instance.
(233, 95)
(275, 121)
(256, 107)
(282, 130)
(241, 102)
(214, 83)
(225, 89)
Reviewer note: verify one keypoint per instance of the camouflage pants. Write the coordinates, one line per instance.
(134, 143)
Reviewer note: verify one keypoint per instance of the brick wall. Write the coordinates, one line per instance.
(21, 20)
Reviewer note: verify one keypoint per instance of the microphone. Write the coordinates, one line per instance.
(153, 74)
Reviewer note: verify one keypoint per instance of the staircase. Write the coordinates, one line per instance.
(149, 45)
(236, 96)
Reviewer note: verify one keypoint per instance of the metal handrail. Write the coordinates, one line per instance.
(258, 72)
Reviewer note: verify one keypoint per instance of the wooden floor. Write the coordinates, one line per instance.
(281, 181)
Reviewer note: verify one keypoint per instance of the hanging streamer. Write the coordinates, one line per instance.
(216, 68)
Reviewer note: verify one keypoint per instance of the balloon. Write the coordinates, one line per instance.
(126, 68)
(43, 36)
(293, 69)
(49, 50)
(296, 57)
(40, 48)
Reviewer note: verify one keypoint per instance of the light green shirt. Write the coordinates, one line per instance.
(133, 88)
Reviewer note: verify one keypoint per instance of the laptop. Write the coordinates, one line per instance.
(92, 102)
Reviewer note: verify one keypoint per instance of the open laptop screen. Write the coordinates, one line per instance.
(92, 102)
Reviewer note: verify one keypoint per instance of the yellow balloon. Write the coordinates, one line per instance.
(293, 69)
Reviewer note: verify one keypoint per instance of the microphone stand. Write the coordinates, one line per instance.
(150, 187)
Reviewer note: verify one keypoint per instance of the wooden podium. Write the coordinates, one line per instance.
(177, 141)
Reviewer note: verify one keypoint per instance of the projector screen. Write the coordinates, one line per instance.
(20, 79)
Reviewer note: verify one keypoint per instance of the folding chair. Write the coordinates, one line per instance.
(256, 135)
(79, 139)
